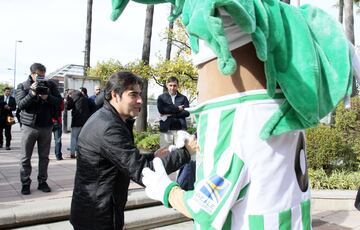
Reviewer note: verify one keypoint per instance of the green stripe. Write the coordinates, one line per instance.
(243, 192)
(256, 222)
(285, 220)
(233, 101)
(224, 133)
(227, 224)
(201, 132)
(305, 215)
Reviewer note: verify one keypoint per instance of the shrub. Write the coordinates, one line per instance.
(150, 142)
(326, 149)
(337, 180)
(337, 146)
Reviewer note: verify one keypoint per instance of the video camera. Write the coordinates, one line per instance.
(41, 87)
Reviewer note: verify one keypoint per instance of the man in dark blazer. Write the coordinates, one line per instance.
(7, 105)
(171, 106)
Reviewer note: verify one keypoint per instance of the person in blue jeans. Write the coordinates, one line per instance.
(80, 112)
(57, 131)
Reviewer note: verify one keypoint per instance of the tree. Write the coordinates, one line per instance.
(183, 69)
(141, 122)
(3, 86)
(88, 36)
(341, 11)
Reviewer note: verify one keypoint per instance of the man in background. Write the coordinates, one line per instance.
(7, 105)
(80, 112)
(38, 100)
(57, 131)
(97, 90)
(171, 106)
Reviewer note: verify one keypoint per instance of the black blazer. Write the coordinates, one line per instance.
(177, 119)
(5, 112)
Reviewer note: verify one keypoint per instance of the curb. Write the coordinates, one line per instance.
(45, 211)
(335, 200)
(138, 204)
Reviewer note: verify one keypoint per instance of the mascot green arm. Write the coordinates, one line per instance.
(118, 7)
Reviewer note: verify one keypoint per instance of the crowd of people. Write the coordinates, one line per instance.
(256, 96)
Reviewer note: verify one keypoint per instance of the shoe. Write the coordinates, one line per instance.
(72, 156)
(25, 190)
(44, 187)
(1, 146)
(8, 148)
(59, 159)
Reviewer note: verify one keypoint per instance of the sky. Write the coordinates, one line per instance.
(53, 33)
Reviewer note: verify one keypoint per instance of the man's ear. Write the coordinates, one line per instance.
(115, 96)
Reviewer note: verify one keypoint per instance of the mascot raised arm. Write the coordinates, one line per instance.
(267, 71)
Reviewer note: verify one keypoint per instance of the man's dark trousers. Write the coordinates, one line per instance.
(7, 127)
(41, 135)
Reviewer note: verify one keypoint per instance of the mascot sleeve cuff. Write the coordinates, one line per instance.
(166, 194)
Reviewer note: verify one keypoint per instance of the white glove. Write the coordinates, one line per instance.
(158, 184)
(181, 137)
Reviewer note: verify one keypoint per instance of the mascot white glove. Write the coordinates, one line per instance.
(158, 185)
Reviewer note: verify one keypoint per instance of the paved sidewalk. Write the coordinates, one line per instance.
(60, 173)
(332, 209)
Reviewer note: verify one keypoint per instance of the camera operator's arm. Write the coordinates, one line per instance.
(25, 98)
(54, 97)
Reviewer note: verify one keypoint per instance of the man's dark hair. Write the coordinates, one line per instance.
(172, 79)
(119, 82)
(37, 67)
(83, 90)
(7, 88)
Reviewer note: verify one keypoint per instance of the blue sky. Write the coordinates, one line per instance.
(53, 33)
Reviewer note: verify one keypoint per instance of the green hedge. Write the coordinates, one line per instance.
(336, 147)
(336, 180)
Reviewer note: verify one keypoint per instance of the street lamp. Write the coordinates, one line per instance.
(16, 42)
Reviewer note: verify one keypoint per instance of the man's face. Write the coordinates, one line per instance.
(37, 73)
(7, 92)
(129, 104)
(97, 90)
(172, 87)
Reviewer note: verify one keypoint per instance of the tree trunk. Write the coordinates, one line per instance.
(169, 43)
(286, 1)
(349, 31)
(141, 121)
(169, 40)
(341, 11)
(88, 36)
(298, 2)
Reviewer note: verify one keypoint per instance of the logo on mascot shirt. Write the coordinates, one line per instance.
(211, 193)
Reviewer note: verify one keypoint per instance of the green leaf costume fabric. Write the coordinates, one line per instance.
(304, 50)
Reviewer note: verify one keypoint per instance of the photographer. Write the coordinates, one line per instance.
(38, 100)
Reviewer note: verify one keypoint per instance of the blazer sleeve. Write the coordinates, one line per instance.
(118, 147)
(12, 103)
(166, 107)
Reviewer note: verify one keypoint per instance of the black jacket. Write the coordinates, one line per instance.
(79, 106)
(6, 112)
(34, 110)
(107, 160)
(177, 119)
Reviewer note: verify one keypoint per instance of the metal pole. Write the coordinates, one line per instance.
(16, 41)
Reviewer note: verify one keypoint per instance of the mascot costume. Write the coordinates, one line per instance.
(267, 71)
